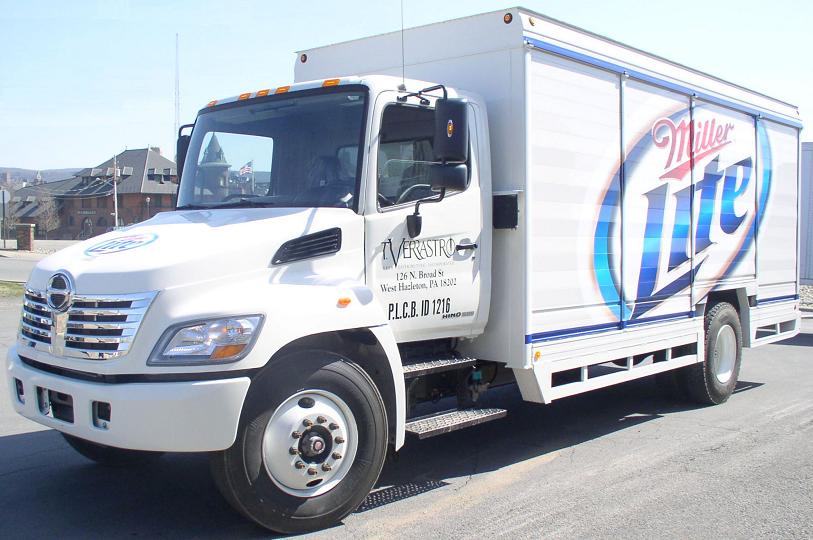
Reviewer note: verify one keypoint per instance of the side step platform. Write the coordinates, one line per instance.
(446, 421)
(420, 367)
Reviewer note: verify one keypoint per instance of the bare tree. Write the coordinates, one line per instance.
(48, 218)
(11, 219)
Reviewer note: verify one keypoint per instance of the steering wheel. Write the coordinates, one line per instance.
(408, 191)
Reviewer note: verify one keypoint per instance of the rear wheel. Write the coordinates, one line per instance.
(311, 444)
(713, 381)
(110, 455)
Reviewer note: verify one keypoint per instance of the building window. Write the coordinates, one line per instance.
(70, 221)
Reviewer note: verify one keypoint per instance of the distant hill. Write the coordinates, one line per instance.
(48, 175)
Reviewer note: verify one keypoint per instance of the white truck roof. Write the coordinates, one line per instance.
(488, 32)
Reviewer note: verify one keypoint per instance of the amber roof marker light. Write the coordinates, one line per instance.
(507, 18)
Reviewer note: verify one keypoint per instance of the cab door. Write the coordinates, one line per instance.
(430, 285)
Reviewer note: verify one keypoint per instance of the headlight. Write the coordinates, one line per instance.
(207, 342)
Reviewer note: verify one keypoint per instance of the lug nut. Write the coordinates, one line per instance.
(333, 426)
(336, 455)
(321, 419)
(326, 467)
(339, 440)
(307, 422)
(293, 451)
(299, 465)
(312, 471)
(296, 434)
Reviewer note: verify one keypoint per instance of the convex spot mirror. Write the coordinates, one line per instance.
(451, 141)
(451, 177)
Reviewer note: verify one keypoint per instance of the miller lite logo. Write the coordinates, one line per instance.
(693, 192)
(121, 243)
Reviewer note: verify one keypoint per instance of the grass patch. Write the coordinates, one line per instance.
(11, 289)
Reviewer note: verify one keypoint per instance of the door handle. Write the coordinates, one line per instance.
(465, 247)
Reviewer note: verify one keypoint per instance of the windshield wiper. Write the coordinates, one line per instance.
(242, 203)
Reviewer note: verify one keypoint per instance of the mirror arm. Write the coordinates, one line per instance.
(415, 220)
(434, 200)
(183, 127)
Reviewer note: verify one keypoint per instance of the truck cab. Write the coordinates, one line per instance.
(319, 226)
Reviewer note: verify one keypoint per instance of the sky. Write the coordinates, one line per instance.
(83, 80)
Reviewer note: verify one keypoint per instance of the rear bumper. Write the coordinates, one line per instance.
(194, 416)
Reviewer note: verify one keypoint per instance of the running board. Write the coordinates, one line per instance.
(446, 421)
(437, 365)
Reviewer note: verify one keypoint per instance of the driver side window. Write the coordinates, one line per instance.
(404, 154)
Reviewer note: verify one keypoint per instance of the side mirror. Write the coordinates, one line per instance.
(180, 151)
(181, 148)
(451, 141)
(451, 177)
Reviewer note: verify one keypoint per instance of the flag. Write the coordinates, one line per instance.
(248, 168)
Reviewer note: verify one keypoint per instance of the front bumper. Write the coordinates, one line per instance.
(196, 416)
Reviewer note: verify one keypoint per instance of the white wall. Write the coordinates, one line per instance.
(806, 256)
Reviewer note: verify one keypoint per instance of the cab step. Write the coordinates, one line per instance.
(420, 367)
(446, 421)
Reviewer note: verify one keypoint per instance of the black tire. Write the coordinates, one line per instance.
(110, 455)
(240, 472)
(700, 380)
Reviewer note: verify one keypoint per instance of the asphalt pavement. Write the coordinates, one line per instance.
(623, 462)
(17, 265)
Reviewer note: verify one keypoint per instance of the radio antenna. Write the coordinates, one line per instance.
(177, 90)
(403, 68)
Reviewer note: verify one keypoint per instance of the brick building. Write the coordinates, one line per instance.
(147, 184)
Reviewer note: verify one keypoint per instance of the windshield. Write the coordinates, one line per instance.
(297, 150)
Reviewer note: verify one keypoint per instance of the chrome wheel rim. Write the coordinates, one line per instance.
(310, 443)
(725, 354)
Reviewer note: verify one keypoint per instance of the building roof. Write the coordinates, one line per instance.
(26, 209)
(136, 167)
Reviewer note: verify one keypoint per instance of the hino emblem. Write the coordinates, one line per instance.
(59, 292)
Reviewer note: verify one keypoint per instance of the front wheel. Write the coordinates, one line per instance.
(713, 381)
(311, 444)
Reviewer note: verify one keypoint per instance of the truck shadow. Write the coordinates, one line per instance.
(50, 490)
(529, 431)
(799, 340)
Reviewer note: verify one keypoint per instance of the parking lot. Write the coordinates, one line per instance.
(621, 462)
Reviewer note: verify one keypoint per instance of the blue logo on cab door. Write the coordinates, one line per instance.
(122, 243)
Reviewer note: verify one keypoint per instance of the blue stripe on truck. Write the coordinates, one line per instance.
(597, 328)
(609, 66)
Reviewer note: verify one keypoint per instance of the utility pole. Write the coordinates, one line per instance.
(3, 229)
(115, 193)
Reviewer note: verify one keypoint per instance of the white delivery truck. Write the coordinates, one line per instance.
(519, 201)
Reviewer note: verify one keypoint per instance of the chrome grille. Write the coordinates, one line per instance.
(93, 328)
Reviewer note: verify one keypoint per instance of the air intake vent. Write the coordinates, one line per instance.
(310, 245)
